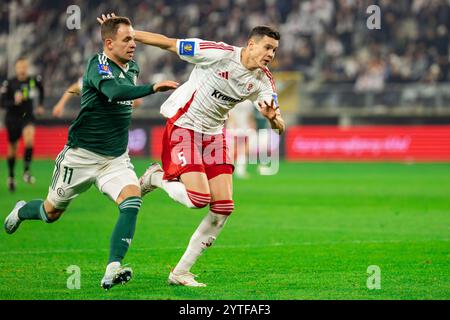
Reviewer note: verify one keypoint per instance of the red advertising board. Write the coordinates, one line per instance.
(309, 143)
(49, 141)
(368, 143)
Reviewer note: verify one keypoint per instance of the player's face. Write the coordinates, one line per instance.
(22, 68)
(123, 46)
(263, 50)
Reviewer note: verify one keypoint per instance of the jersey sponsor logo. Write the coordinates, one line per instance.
(219, 95)
(249, 86)
(104, 69)
(187, 48)
(125, 102)
(108, 76)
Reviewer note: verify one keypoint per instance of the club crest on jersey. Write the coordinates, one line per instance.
(249, 86)
(104, 69)
(187, 48)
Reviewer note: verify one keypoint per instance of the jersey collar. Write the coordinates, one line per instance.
(127, 66)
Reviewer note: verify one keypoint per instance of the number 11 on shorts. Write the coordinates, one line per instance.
(68, 172)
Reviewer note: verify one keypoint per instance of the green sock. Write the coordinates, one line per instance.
(33, 210)
(124, 230)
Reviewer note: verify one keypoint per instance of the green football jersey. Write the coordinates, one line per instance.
(102, 125)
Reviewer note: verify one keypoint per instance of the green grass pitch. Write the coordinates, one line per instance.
(309, 232)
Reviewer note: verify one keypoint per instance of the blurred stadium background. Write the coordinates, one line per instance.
(348, 94)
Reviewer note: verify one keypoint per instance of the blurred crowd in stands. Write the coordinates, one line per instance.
(327, 40)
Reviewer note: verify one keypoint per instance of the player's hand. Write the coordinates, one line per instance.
(165, 85)
(105, 17)
(268, 110)
(18, 98)
(58, 111)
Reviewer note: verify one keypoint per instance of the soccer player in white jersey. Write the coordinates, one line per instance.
(197, 170)
(193, 175)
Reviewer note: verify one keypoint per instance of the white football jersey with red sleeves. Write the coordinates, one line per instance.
(216, 84)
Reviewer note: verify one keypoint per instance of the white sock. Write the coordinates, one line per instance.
(175, 189)
(157, 179)
(203, 237)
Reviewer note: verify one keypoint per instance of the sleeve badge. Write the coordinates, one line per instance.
(104, 69)
(187, 48)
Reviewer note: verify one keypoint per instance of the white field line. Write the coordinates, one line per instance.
(242, 246)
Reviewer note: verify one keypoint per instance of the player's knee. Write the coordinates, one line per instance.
(52, 217)
(224, 207)
(49, 213)
(12, 151)
(199, 200)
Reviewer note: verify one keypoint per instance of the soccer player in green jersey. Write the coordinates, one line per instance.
(96, 150)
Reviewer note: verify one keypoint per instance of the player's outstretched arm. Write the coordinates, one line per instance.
(157, 40)
(117, 92)
(152, 39)
(157, 87)
(165, 85)
(273, 115)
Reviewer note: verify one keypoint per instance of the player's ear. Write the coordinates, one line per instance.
(108, 43)
(250, 43)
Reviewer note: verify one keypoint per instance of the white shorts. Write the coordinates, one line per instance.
(76, 169)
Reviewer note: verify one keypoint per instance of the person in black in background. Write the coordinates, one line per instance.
(18, 97)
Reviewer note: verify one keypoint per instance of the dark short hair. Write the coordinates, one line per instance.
(109, 27)
(261, 31)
